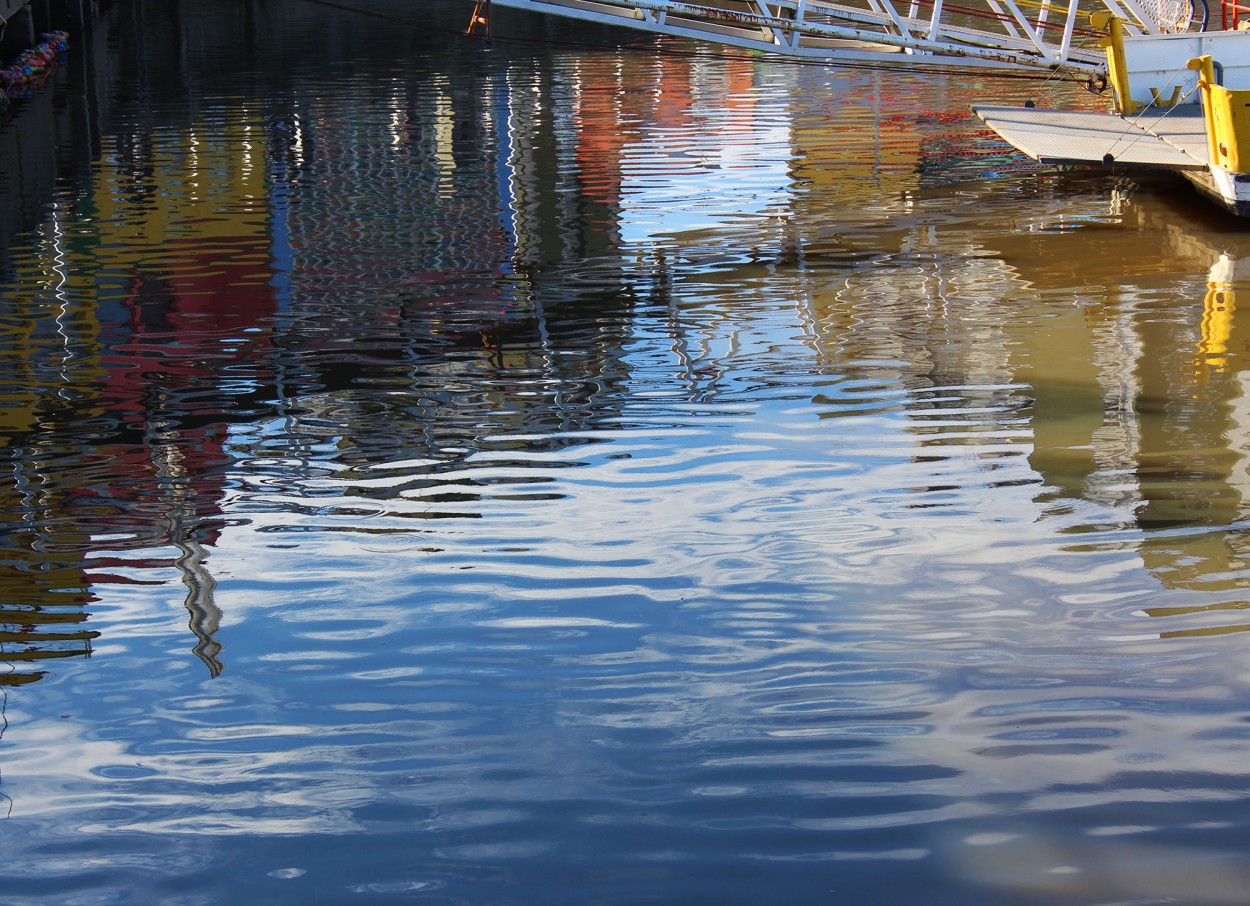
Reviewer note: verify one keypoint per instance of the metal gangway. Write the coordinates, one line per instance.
(993, 34)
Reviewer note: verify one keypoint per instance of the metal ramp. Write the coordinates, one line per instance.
(1172, 139)
(1052, 35)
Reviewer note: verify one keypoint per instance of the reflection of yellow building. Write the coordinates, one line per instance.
(41, 617)
(146, 212)
(205, 181)
(862, 151)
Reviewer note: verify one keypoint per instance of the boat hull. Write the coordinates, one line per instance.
(1229, 190)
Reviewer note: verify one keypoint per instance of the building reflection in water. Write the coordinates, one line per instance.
(1107, 361)
(1070, 328)
(242, 263)
(155, 287)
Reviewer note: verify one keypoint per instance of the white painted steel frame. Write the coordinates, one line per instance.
(878, 31)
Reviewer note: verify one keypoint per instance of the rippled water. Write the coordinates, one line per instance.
(587, 469)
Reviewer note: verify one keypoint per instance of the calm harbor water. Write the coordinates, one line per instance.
(588, 469)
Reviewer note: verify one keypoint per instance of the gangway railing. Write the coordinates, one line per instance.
(1053, 35)
(1232, 15)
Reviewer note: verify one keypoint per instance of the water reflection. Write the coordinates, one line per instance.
(249, 260)
(644, 463)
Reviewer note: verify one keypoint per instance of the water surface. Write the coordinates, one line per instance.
(592, 469)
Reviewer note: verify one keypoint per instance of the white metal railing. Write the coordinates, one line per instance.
(1032, 34)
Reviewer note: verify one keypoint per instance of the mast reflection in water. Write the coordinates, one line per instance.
(592, 469)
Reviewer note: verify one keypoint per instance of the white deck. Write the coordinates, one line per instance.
(1174, 139)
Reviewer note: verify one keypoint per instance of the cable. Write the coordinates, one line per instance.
(1131, 123)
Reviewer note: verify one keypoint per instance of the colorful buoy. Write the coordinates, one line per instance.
(33, 64)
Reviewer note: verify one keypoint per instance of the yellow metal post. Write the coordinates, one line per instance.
(1117, 68)
(1226, 113)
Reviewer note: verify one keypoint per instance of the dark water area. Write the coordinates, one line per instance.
(592, 469)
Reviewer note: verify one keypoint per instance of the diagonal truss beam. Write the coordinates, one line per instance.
(985, 33)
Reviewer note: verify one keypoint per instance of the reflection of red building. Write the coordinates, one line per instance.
(601, 132)
(619, 105)
(613, 106)
(193, 316)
